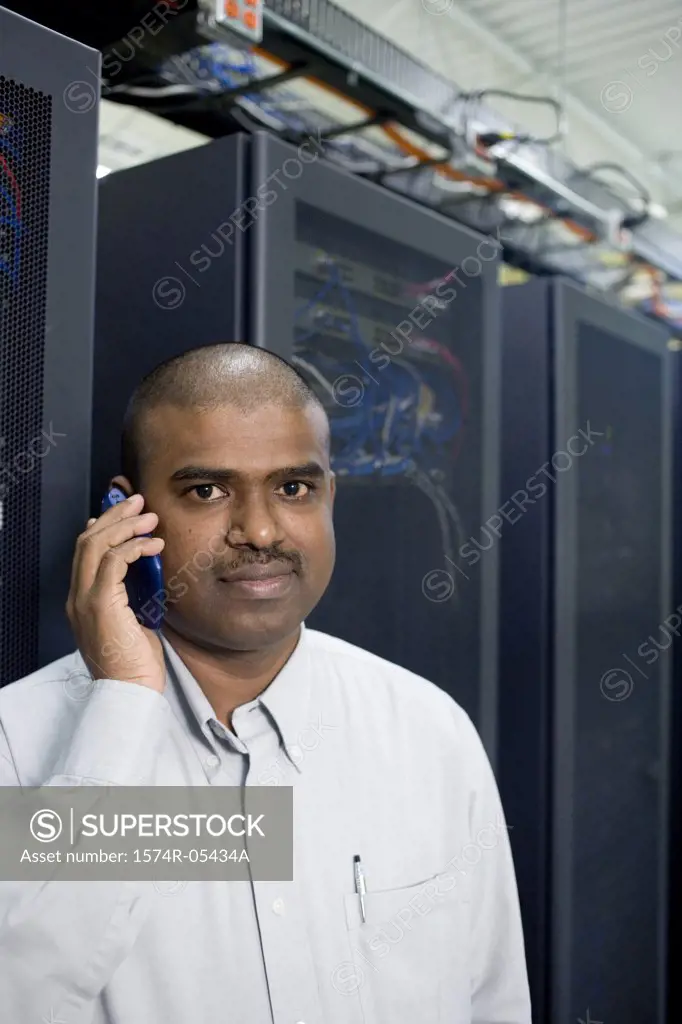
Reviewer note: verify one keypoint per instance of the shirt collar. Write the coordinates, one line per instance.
(286, 699)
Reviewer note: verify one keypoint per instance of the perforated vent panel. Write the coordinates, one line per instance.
(25, 136)
(618, 829)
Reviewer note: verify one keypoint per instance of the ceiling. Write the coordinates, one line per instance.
(129, 136)
(616, 65)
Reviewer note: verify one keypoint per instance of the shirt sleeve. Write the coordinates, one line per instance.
(499, 979)
(61, 941)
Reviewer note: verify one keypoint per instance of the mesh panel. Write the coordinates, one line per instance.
(617, 824)
(352, 286)
(25, 131)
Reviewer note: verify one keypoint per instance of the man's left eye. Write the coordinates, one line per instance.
(295, 489)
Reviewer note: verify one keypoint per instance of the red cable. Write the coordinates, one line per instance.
(13, 181)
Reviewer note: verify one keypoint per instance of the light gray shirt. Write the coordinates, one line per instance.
(382, 763)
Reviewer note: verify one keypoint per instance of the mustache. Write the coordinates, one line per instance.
(263, 557)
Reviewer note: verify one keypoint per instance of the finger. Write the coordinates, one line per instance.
(114, 564)
(90, 522)
(111, 539)
(113, 534)
(132, 506)
(93, 545)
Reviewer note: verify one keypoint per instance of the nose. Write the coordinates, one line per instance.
(253, 523)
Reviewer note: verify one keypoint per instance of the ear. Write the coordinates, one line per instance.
(123, 484)
(332, 487)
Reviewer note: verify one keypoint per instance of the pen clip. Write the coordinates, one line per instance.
(360, 887)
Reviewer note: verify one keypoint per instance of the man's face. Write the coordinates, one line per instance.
(244, 502)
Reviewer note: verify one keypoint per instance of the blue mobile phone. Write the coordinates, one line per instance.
(144, 579)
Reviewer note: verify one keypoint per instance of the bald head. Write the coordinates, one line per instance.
(205, 378)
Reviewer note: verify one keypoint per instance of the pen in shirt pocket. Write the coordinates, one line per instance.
(360, 887)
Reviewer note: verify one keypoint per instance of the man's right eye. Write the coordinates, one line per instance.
(203, 492)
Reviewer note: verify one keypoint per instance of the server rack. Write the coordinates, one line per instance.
(584, 668)
(278, 248)
(49, 90)
(152, 302)
(675, 879)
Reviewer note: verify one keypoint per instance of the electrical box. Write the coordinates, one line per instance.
(242, 19)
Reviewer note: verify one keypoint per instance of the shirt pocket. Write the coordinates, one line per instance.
(410, 955)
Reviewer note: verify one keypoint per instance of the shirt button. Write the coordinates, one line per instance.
(278, 908)
(213, 761)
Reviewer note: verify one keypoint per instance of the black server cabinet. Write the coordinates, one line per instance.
(584, 672)
(159, 232)
(338, 267)
(674, 875)
(49, 91)
(324, 268)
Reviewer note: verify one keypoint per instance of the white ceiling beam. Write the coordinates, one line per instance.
(578, 110)
(601, 22)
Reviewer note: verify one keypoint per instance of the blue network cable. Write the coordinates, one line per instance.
(351, 431)
(11, 219)
(387, 431)
(4, 144)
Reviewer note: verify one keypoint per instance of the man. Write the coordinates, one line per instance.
(230, 449)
